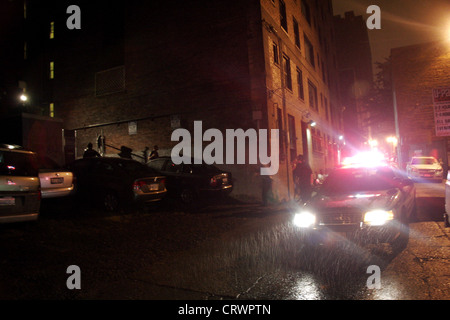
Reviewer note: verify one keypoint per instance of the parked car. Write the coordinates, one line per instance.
(55, 181)
(193, 183)
(447, 202)
(117, 182)
(425, 168)
(364, 204)
(20, 195)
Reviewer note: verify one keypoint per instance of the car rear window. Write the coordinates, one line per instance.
(18, 164)
(351, 180)
(134, 167)
(423, 161)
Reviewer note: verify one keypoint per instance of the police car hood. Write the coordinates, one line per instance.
(366, 200)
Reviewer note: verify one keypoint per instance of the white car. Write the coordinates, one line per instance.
(427, 168)
(55, 181)
(447, 202)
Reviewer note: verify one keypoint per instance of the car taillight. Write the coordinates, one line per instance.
(213, 182)
(137, 185)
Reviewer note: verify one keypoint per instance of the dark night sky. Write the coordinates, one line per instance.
(403, 22)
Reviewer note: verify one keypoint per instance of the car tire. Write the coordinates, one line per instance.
(111, 201)
(446, 220)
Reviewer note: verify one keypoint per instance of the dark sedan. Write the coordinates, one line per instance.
(193, 183)
(117, 182)
(365, 204)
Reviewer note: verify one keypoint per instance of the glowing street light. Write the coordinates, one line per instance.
(373, 143)
(23, 97)
(392, 140)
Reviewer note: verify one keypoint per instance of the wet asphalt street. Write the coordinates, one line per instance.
(228, 251)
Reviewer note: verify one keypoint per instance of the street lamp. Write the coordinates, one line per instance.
(23, 97)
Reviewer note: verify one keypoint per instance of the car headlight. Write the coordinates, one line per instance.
(304, 219)
(378, 217)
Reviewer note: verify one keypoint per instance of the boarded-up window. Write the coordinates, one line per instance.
(110, 81)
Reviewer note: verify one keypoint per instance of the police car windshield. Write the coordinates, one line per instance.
(350, 180)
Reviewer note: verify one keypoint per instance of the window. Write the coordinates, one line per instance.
(52, 30)
(317, 141)
(52, 70)
(309, 51)
(306, 11)
(110, 81)
(283, 18)
(301, 91)
(287, 72)
(312, 93)
(276, 56)
(296, 33)
(292, 137)
(282, 134)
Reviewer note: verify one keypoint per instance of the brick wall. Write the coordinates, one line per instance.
(416, 71)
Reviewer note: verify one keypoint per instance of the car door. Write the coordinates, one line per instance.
(173, 175)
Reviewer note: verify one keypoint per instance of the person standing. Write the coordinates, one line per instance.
(90, 152)
(302, 179)
(154, 154)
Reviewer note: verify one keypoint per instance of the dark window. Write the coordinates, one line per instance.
(296, 33)
(157, 164)
(292, 137)
(282, 134)
(306, 11)
(287, 72)
(301, 91)
(309, 51)
(312, 95)
(283, 18)
(110, 81)
(276, 55)
(18, 164)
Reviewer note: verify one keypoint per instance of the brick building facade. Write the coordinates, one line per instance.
(137, 70)
(416, 71)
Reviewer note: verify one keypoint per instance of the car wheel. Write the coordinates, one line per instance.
(446, 220)
(111, 201)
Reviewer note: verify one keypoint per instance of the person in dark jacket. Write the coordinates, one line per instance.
(90, 153)
(302, 179)
(154, 154)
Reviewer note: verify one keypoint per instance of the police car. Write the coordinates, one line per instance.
(366, 201)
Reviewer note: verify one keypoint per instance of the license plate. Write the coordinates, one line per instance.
(7, 201)
(153, 187)
(225, 180)
(56, 180)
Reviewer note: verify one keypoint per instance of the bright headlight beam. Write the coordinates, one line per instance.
(378, 217)
(304, 219)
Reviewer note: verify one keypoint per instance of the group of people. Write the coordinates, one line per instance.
(89, 152)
